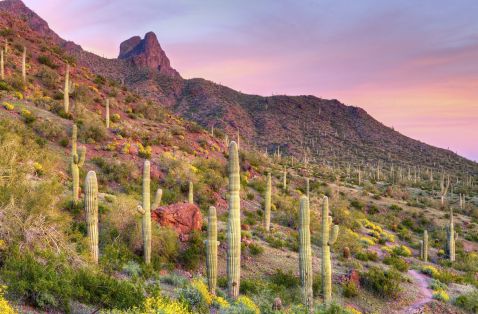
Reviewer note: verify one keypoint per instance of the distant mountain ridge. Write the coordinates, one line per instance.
(321, 130)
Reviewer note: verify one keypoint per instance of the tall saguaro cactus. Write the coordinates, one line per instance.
(307, 187)
(91, 208)
(424, 246)
(305, 255)
(2, 65)
(76, 163)
(145, 210)
(444, 185)
(327, 240)
(107, 113)
(211, 250)
(451, 238)
(24, 65)
(234, 224)
(267, 203)
(191, 193)
(68, 89)
(284, 179)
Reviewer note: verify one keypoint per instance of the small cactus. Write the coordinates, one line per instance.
(91, 208)
(424, 246)
(145, 210)
(305, 255)
(234, 224)
(327, 241)
(346, 252)
(191, 193)
(76, 163)
(2, 65)
(211, 250)
(267, 202)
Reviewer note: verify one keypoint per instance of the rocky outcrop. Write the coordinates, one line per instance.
(146, 53)
(182, 217)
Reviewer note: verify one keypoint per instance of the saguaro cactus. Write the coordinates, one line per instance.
(305, 255)
(2, 66)
(307, 187)
(145, 210)
(67, 90)
(91, 208)
(424, 246)
(24, 65)
(284, 179)
(234, 224)
(76, 163)
(107, 113)
(211, 250)
(452, 236)
(191, 193)
(327, 241)
(444, 185)
(267, 203)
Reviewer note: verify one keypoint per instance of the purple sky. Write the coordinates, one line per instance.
(411, 64)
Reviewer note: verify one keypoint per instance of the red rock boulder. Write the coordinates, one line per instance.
(182, 217)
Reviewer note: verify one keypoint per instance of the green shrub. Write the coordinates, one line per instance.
(350, 289)
(47, 61)
(468, 302)
(255, 249)
(193, 254)
(385, 284)
(396, 262)
(287, 280)
(367, 256)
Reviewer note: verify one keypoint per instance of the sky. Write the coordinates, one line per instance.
(413, 65)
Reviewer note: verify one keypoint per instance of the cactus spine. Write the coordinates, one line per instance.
(24, 65)
(451, 238)
(327, 241)
(211, 250)
(191, 193)
(2, 66)
(267, 203)
(76, 163)
(234, 224)
(91, 208)
(107, 113)
(145, 210)
(305, 256)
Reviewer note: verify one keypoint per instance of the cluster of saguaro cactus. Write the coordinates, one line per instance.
(211, 250)
(327, 240)
(305, 253)
(2, 65)
(91, 208)
(267, 203)
(145, 210)
(107, 113)
(68, 90)
(424, 247)
(24, 65)
(451, 238)
(76, 163)
(234, 224)
(191, 193)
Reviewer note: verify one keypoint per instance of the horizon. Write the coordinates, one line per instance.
(421, 81)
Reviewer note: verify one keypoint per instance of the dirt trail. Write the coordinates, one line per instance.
(424, 293)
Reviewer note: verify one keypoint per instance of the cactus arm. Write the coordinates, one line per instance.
(157, 199)
(335, 234)
(140, 209)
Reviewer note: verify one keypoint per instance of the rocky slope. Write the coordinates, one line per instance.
(321, 130)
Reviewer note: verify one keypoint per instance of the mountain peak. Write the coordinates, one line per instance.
(146, 53)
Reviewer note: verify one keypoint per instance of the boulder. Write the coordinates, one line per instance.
(184, 218)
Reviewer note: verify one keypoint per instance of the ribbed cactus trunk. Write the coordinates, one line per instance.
(24, 65)
(234, 224)
(145, 210)
(305, 255)
(211, 250)
(425, 246)
(327, 241)
(451, 237)
(91, 208)
(76, 163)
(107, 113)
(66, 91)
(2, 65)
(268, 202)
(284, 179)
(191, 193)
(307, 187)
